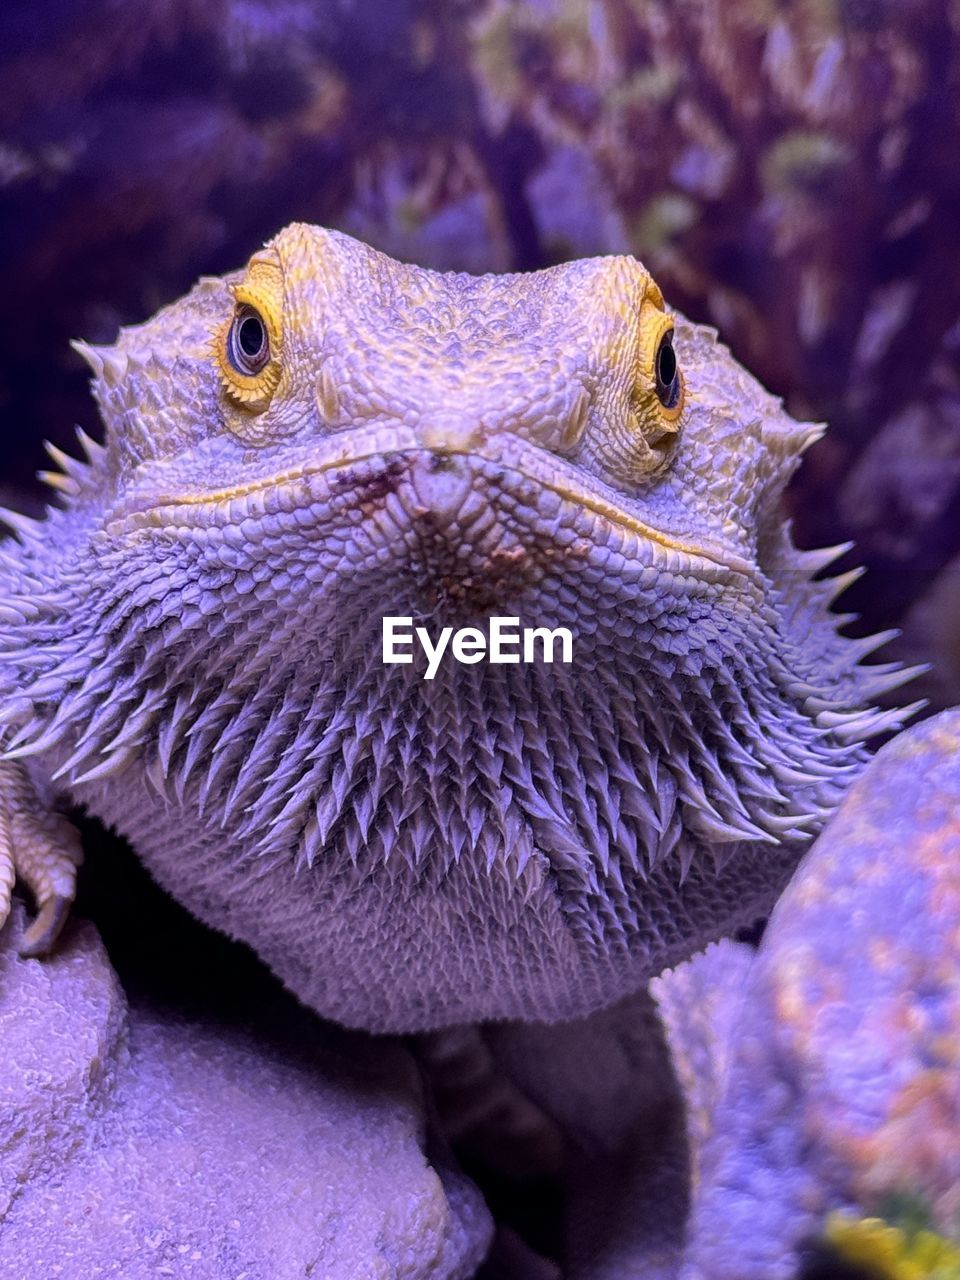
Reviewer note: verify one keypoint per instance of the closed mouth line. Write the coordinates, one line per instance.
(572, 492)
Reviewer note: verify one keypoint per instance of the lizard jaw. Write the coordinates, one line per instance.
(442, 467)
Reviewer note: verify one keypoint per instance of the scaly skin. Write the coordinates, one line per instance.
(191, 646)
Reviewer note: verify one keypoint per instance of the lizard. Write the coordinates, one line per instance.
(190, 637)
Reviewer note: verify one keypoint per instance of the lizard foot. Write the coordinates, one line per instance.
(42, 848)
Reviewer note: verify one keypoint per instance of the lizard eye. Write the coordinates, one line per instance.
(248, 345)
(658, 388)
(667, 372)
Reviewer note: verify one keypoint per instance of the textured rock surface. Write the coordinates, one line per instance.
(828, 1069)
(180, 1149)
(61, 1048)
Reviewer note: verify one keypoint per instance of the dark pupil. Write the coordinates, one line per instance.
(666, 365)
(250, 336)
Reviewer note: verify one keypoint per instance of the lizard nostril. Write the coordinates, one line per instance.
(441, 485)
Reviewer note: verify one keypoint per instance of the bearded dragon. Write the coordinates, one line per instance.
(190, 642)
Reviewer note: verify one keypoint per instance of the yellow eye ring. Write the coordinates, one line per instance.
(660, 387)
(249, 345)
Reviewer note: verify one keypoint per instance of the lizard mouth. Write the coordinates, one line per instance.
(436, 480)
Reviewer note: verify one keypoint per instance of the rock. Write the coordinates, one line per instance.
(62, 1031)
(834, 1057)
(139, 1144)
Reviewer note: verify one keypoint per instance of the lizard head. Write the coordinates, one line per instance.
(329, 436)
(568, 404)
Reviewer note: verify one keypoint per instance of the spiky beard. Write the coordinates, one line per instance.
(664, 747)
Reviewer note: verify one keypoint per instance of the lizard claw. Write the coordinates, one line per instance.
(41, 848)
(39, 939)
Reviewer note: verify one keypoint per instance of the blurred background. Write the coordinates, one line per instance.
(790, 172)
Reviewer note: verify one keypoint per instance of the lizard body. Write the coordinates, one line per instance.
(190, 645)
